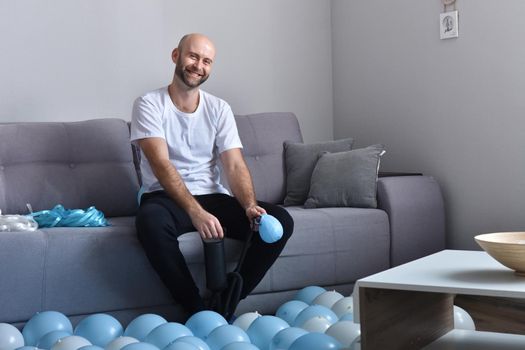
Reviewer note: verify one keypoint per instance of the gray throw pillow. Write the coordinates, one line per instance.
(300, 160)
(346, 179)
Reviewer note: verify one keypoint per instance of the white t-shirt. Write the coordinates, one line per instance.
(194, 140)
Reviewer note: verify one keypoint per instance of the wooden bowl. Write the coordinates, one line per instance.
(508, 248)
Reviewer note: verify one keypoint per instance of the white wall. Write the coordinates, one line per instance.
(66, 60)
(453, 108)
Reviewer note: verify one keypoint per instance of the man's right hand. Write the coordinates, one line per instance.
(208, 225)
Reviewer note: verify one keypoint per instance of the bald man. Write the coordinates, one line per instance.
(183, 132)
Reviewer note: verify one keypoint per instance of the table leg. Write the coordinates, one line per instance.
(397, 319)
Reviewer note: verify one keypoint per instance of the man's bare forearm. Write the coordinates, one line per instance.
(156, 152)
(169, 178)
(172, 182)
(241, 185)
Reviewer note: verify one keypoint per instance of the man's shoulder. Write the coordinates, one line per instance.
(155, 96)
(213, 100)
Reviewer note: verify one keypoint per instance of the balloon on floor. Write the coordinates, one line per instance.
(315, 319)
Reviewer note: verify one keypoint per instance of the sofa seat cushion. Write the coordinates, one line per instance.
(83, 270)
(329, 246)
(22, 259)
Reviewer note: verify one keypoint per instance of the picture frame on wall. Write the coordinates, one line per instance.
(448, 25)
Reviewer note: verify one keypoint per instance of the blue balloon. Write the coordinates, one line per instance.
(308, 294)
(90, 347)
(179, 345)
(313, 311)
(286, 337)
(270, 229)
(203, 322)
(99, 329)
(224, 335)
(44, 322)
(264, 328)
(48, 339)
(347, 317)
(139, 346)
(140, 327)
(28, 347)
(240, 346)
(167, 333)
(289, 310)
(197, 342)
(315, 341)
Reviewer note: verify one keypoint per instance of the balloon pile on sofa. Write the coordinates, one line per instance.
(315, 319)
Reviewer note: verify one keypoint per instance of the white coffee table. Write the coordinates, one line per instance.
(410, 306)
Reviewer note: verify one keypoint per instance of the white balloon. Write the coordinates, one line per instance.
(316, 324)
(344, 331)
(462, 320)
(327, 299)
(10, 337)
(73, 342)
(120, 342)
(356, 344)
(343, 306)
(245, 320)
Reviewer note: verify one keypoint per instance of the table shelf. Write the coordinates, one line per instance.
(460, 339)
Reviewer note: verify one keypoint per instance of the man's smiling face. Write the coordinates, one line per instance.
(194, 60)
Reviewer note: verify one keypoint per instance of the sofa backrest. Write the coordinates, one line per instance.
(262, 136)
(76, 164)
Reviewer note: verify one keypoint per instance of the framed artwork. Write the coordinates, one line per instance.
(448, 25)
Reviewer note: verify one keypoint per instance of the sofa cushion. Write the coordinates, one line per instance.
(300, 162)
(22, 259)
(100, 268)
(346, 179)
(76, 164)
(262, 136)
(329, 246)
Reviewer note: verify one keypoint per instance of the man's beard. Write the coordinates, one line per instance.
(181, 73)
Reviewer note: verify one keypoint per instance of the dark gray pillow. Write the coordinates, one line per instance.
(300, 161)
(346, 179)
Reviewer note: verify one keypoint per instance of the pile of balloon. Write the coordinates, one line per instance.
(315, 319)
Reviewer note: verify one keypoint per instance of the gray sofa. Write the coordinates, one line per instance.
(80, 271)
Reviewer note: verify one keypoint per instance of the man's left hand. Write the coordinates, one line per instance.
(254, 212)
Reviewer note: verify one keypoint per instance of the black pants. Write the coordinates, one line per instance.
(160, 221)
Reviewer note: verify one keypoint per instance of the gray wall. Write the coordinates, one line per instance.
(67, 60)
(451, 108)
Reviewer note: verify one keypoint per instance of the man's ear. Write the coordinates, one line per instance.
(175, 55)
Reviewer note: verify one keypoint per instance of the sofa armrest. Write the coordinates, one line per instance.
(416, 212)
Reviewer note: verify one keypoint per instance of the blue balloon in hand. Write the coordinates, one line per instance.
(270, 229)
